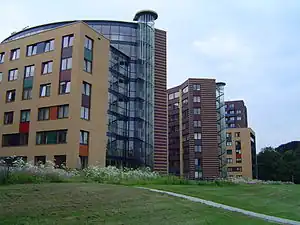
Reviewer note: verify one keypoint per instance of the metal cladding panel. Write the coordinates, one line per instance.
(160, 103)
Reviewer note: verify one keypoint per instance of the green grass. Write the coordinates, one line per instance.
(90, 203)
(275, 200)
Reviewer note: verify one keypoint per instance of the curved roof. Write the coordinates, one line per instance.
(49, 26)
(143, 12)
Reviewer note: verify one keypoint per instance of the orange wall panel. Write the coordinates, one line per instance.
(84, 150)
(53, 113)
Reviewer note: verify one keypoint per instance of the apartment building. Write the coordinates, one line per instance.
(236, 114)
(241, 153)
(193, 131)
(50, 88)
(120, 68)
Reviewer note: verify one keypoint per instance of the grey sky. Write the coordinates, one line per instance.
(252, 45)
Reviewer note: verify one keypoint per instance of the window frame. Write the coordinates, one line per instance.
(84, 140)
(85, 113)
(63, 111)
(67, 41)
(86, 91)
(15, 54)
(46, 65)
(64, 87)
(41, 111)
(27, 116)
(13, 74)
(31, 50)
(13, 92)
(31, 71)
(7, 115)
(47, 90)
(66, 64)
(2, 57)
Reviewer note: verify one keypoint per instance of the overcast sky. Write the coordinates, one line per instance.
(252, 45)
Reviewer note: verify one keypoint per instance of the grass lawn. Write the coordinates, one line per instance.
(86, 203)
(275, 200)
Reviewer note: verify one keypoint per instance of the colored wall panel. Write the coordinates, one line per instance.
(53, 113)
(65, 75)
(85, 101)
(83, 150)
(28, 82)
(24, 127)
(88, 54)
(66, 52)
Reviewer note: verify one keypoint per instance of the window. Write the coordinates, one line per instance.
(196, 99)
(11, 96)
(51, 137)
(27, 94)
(198, 148)
(2, 55)
(85, 113)
(196, 87)
(29, 71)
(88, 43)
(64, 87)
(185, 90)
(173, 95)
(231, 118)
(197, 123)
(1, 76)
(197, 136)
(185, 101)
(39, 160)
(87, 67)
(49, 46)
(25, 116)
(66, 64)
(232, 125)
(8, 118)
(176, 94)
(43, 114)
(15, 54)
(231, 112)
(68, 41)
(238, 111)
(228, 143)
(196, 111)
(86, 88)
(60, 161)
(45, 90)
(31, 50)
(238, 160)
(84, 137)
(15, 139)
(228, 135)
(231, 105)
(198, 174)
(63, 111)
(13, 75)
(197, 162)
(229, 160)
(47, 67)
(238, 118)
(237, 134)
(229, 152)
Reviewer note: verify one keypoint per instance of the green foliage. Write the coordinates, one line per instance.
(280, 164)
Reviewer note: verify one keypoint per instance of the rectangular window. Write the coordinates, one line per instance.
(11, 96)
(232, 125)
(47, 67)
(196, 99)
(231, 112)
(64, 87)
(31, 50)
(27, 94)
(45, 90)
(238, 160)
(68, 41)
(84, 137)
(196, 111)
(51, 137)
(185, 90)
(238, 118)
(86, 88)
(185, 101)
(197, 136)
(229, 160)
(237, 134)
(87, 67)
(238, 111)
(228, 143)
(197, 123)
(15, 54)
(29, 71)
(196, 87)
(88, 43)
(12, 74)
(198, 148)
(1, 76)
(85, 113)
(2, 55)
(25, 116)
(63, 111)
(16, 139)
(229, 152)
(66, 64)
(231, 105)
(39, 160)
(231, 118)
(8, 118)
(43, 113)
(49, 46)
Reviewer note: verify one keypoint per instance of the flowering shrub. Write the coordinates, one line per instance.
(244, 180)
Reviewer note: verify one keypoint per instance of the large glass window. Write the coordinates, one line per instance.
(29, 71)
(84, 137)
(2, 55)
(66, 64)
(64, 87)
(88, 43)
(47, 67)
(86, 88)
(49, 46)
(25, 116)
(45, 90)
(68, 41)
(63, 111)
(13, 75)
(15, 54)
